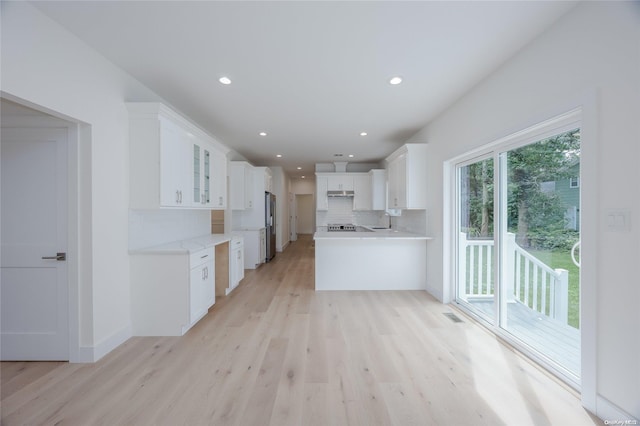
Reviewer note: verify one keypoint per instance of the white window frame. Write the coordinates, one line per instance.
(574, 182)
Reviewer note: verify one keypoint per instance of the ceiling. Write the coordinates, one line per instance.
(312, 75)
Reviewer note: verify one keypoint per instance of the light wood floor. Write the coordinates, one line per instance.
(275, 352)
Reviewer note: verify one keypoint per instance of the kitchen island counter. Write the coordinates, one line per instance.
(369, 233)
(379, 259)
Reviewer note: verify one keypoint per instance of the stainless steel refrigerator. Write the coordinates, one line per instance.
(270, 222)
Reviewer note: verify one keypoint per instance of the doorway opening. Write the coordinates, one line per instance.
(40, 234)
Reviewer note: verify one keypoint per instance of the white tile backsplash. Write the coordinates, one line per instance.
(341, 211)
(149, 228)
(412, 221)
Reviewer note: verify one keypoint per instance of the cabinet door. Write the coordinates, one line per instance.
(378, 189)
(209, 285)
(241, 186)
(263, 246)
(238, 266)
(340, 182)
(248, 187)
(196, 175)
(175, 158)
(398, 182)
(218, 180)
(362, 192)
(322, 201)
(197, 297)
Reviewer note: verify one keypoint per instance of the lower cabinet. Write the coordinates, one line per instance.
(254, 247)
(202, 294)
(236, 263)
(170, 292)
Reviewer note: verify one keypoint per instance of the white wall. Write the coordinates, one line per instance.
(284, 197)
(46, 66)
(590, 57)
(305, 214)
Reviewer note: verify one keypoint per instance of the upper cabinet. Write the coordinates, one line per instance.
(173, 164)
(378, 179)
(340, 182)
(268, 180)
(361, 191)
(218, 179)
(241, 185)
(322, 202)
(407, 177)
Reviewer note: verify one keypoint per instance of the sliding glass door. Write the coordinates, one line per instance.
(475, 237)
(518, 238)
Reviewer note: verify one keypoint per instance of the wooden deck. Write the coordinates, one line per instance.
(559, 342)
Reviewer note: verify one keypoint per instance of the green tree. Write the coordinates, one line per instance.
(530, 209)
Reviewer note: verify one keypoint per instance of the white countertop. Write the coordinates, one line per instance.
(371, 233)
(190, 245)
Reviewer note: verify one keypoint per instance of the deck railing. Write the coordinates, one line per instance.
(527, 279)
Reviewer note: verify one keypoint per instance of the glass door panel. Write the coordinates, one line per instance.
(475, 238)
(539, 226)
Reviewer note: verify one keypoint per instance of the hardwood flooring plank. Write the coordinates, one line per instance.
(276, 352)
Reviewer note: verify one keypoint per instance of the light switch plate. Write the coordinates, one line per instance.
(617, 220)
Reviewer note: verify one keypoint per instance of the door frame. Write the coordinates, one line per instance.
(78, 211)
(585, 108)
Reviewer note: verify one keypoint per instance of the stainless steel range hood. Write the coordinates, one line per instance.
(340, 193)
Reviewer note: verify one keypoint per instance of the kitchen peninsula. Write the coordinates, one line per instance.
(373, 259)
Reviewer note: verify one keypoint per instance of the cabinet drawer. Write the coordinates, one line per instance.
(200, 257)
(237, 243)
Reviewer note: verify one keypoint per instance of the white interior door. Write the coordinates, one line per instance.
(34, 290)
(293, 214)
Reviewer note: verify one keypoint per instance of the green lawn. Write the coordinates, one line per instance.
(562, 259)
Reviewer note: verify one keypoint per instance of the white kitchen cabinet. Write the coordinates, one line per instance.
(378, 178)
(174, 164)
(162, 159)
(407, 174)
(201, 284)
(322, 201)
(263, 245)
(362, 191)
(170, 292)
(241, 185)
(218, 179)
(201, 175)
(253, 243)
(268, 180)
(340, 182)
(236, 262)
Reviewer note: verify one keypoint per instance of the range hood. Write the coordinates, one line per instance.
(340, 193)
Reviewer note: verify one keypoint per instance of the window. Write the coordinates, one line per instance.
(574, 182)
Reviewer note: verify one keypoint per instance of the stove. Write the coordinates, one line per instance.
(341, 227)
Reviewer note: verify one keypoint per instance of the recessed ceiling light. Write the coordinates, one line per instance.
(224, 80)
(279, 155)
(363, 133)
(303, 177)
(350, 155)
(395, 80)
(263, 134)
(299, 168)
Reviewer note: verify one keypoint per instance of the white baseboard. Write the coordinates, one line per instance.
(612, 414)
(90, 354)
